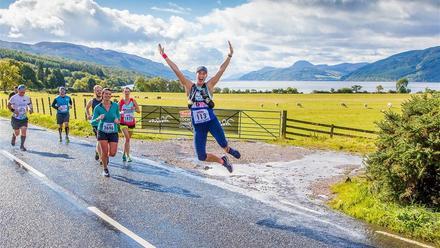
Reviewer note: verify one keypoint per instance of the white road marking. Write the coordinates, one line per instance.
(120, 227)
(404, 239)
(301, 207)
(77, 201)
(22, 163)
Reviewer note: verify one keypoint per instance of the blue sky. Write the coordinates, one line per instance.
(263, 32)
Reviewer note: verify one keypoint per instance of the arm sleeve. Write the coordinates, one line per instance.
(95, 115)
(54, 104)
(118, 114)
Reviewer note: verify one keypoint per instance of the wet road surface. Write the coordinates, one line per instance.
(164, 206)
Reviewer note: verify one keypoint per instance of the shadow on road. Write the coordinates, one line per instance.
(320, 236)
(148, 170)
(51, 155)
(156, 187)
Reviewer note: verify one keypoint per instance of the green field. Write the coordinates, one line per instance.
(361, 111)
(323, 108)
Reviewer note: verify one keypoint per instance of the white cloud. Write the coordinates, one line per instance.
(263, 32)
(173, 8)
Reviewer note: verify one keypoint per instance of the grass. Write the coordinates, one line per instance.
(322, 108)
(355, 199)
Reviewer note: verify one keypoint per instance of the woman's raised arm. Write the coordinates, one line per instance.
(186, 83)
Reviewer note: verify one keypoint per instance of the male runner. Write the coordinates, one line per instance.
(20, 104)
(62, 104)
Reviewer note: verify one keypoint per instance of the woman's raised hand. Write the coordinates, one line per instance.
(161, 50)
(231, 50)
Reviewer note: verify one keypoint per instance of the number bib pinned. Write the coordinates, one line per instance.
(128, 117)
(63, 108)
(200, 116)
(108, 127)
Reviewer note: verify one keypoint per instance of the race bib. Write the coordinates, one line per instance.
(200, 116)
(108, 127)
(21, 113)
(128, 117)
(63, 108)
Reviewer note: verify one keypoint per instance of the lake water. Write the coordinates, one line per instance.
(309, 86)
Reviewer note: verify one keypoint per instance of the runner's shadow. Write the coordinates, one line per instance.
(51, 155)
(156, 187)
(150, 170)
(320, 236)
(83, 144)
(35, 129)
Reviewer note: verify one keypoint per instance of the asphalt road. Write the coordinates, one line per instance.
(68, 203)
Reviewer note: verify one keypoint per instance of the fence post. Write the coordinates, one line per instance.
(283, 124)
(50, 105)
(85, 112)
(331, 131)
(42, 105)
(38, 108)
(74, 108)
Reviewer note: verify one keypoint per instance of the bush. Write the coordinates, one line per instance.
(406, 165)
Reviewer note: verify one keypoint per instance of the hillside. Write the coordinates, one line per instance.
(303, 71)
(99, 56)
(417, 65)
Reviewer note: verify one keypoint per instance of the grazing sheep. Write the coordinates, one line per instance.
(277, 104)
(365, 105)
(389, 105)
(262, 105)
(299, 105)
(146, 97)
(343, 104)
(159, 97)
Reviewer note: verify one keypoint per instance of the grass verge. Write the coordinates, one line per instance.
(355, 199)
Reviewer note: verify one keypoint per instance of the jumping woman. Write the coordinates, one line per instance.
(127, 107)
(201, 105)
(106, 117)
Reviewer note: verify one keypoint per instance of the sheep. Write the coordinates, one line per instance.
(365, 105)
(159, 97)
(277, 104)
(299, 104)
(343, 104)
(262, 105)
(389, 105)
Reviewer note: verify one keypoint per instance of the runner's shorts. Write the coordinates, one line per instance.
(17, 123)
(62, 118)
(110, 137)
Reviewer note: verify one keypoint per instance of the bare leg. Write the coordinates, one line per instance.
(113, 148)
(213, 158)
(127, 136)
(104, 145)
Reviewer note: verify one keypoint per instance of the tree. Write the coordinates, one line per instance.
(406, 164)
(141, 85)
(9, 75)
(28, 75)
(226, 90)
(379, 88)
(356, 88)
(402, 86)
(40, 74)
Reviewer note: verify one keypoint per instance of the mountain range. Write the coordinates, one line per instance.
(304, 71)
(416, 65)
(96, 55)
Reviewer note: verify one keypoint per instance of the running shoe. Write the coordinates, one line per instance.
(129, 159)
(106, 173)
(67, 140)
(60, 139)
(23, 148)
(227, 164)
(236, 154)
(96, 156)
(13, 140)
(124, 158)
